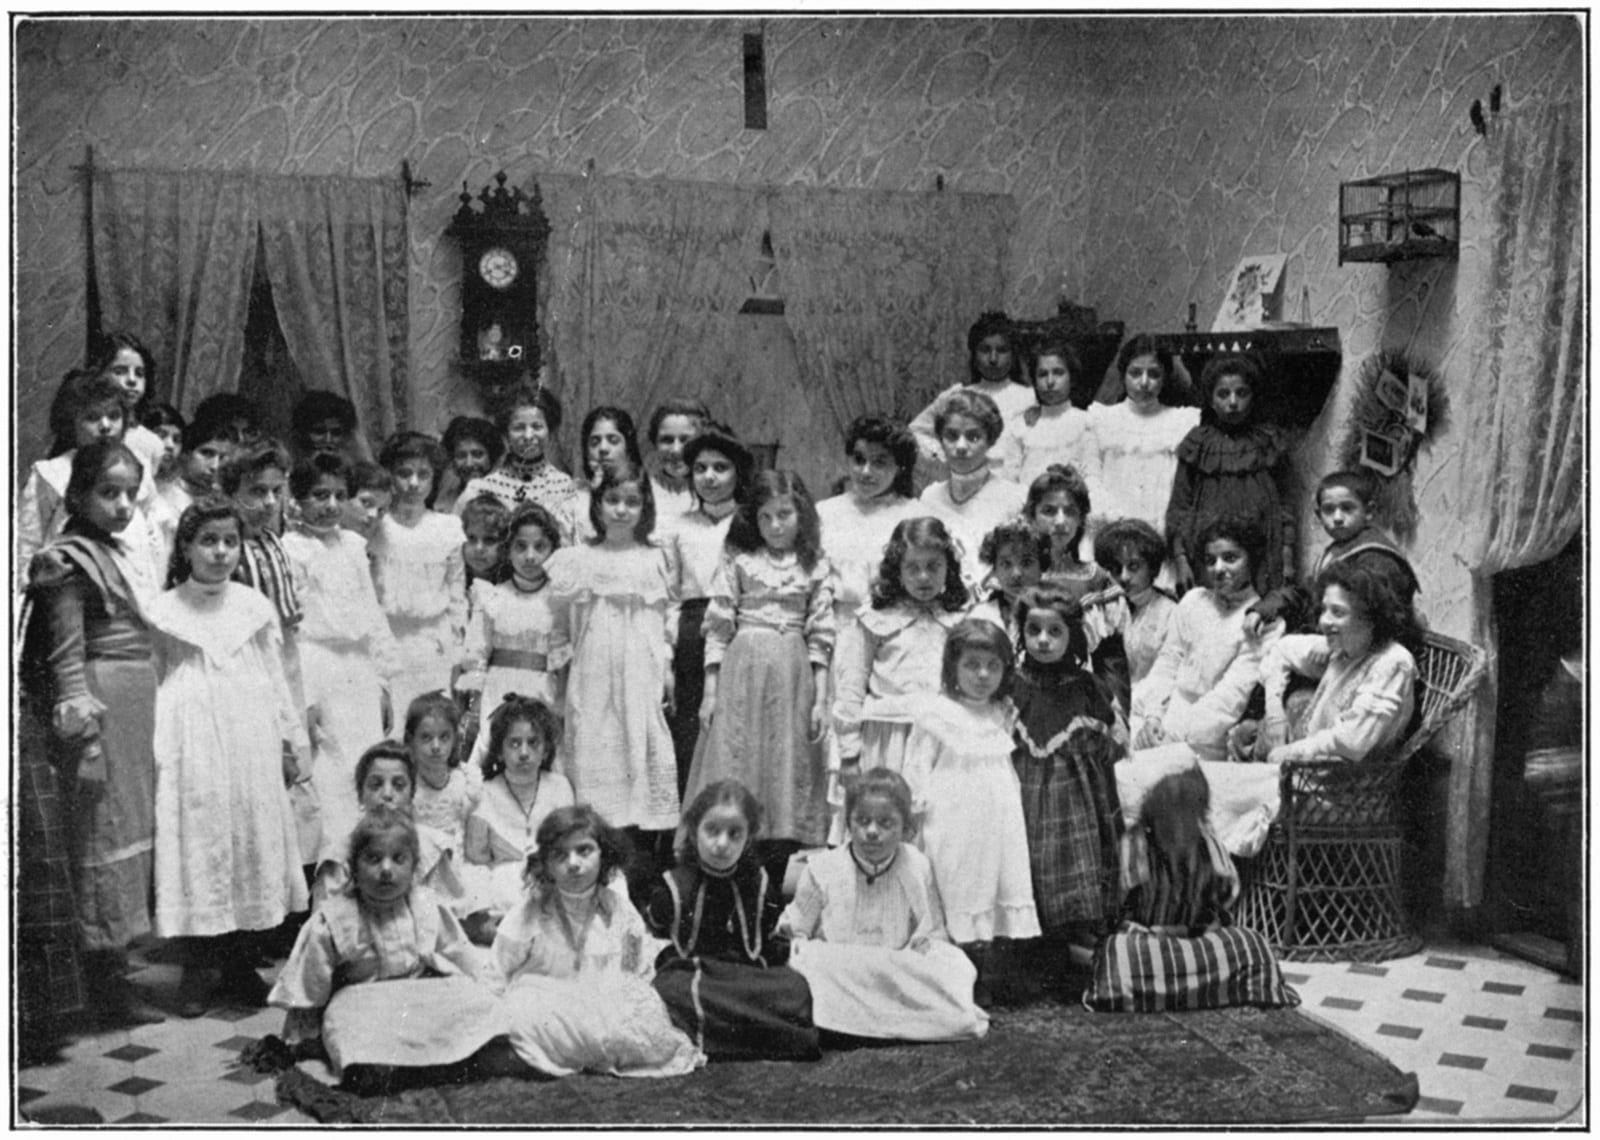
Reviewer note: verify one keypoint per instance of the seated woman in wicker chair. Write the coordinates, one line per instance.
(1365, 698)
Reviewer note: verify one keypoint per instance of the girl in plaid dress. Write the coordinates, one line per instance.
(1070, 731)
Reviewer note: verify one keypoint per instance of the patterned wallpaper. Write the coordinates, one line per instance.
(1146, 154)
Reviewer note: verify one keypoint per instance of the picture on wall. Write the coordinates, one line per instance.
(1255, 294)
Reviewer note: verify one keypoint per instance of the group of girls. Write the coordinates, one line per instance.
(638, 639)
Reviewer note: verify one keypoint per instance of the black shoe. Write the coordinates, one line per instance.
(194, 991)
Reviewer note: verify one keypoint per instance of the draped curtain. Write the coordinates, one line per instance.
(335, 252)
(1527, 413)
(879, 288)
(175, 252)
(647, 278)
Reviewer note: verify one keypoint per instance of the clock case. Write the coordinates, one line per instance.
(500, 217)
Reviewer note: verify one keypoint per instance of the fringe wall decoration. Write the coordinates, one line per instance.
(1400, 406)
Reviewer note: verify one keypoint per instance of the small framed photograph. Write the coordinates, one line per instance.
(1382, 453)
(1417, 405)
(1393, 393)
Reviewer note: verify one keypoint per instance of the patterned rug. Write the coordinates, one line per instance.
(1045, 1064)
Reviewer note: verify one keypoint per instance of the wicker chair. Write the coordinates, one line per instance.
(1326, 885)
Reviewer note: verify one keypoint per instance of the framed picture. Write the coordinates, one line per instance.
(1255, 294)
(1417, 405)
(1382, 453)
(1393, 393)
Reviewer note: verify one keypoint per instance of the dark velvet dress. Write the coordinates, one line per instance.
(724, 977)
(1232, 471)
(1069, 735)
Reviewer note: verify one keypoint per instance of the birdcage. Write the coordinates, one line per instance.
(1398, 217)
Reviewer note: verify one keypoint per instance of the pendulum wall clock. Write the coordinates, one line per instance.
(502, 236)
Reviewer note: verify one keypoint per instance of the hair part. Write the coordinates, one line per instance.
(252, 460)
(1360, 483)
(317, 406)
(617, 476)
(1064, 605)
(530, 514)
(562, 824)
(378, 824)
(1244, 531)
(311, 470)
(718, 794)
(992, 322)
(440, 705)
(1379, 599)
(624, 425)
(80, 392)
(744, 532)
(1014, 533)
(542, 400)
(881, 783)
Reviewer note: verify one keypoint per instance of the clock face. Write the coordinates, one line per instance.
(498, 267)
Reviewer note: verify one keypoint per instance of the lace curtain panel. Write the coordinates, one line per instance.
(647, 278)
(1526, 410)
(174, 253)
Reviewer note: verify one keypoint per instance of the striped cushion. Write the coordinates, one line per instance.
(1138, 970)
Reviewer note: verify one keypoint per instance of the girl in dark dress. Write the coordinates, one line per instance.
(1070, 731)
(724, 976)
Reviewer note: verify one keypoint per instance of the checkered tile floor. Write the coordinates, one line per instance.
(1492, 1039)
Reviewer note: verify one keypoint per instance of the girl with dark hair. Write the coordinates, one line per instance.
(917, 597)
(323, 423)
(418, 568)
(612, 599)
(1070, 733)
(227, 859)
(974, 499)
(724, 974)
(382, 972)
(1132, 552)
(968, 799)
(1053, 429)
(608, 438)
(719, 471)
(520, 788)
(473, 448)
(1135, 440)
(528, 419)
(769, 641)
(123, 359)
(573, 954)
(1233, 462)
(672, 425)
(88, 699)
(1058, 506)
(868, 929)
(87, 408)
(994, 368)
(857, 522)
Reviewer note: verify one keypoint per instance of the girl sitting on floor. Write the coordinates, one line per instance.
(869, 932)
(430, 1010)
(576, 958)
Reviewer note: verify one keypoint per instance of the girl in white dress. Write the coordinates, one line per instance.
(1137, 438)
(347, 654)
(973, 500)
(1053, 429)
(447, 791)
(577, 961)
(967, 796)
(519, 791)
(512, 636)
(917, 597)
(612, 599)
(385, 928)
(417, 565)
(868, 929)
(228, 741)
(993, 368)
